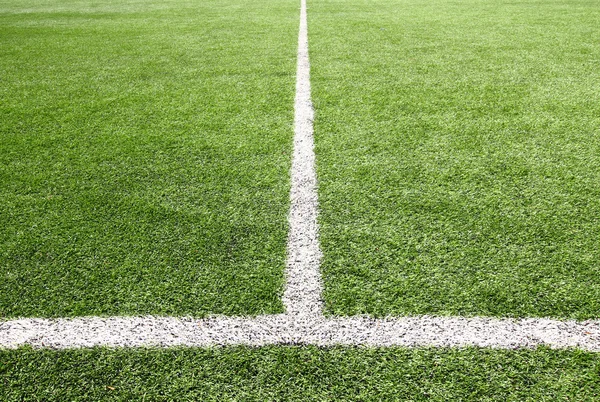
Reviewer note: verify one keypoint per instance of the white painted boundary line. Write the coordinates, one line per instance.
(302, 295)
(289, 330)
(303, 323)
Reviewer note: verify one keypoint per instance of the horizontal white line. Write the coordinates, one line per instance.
(422, 331)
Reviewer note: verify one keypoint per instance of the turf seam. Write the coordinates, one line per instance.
(303, 322)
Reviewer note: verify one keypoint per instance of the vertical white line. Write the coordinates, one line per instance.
(302, 296)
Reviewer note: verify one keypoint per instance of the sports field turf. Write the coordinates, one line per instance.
(144, 156)
(458, 156)
(145, 151)
(299, 374)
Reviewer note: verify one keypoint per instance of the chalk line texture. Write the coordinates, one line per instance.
(303, 322)
(292, 330)
(302, 294)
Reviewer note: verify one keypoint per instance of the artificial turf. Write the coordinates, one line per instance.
(144, 156)
(298, 374)
(458, 155)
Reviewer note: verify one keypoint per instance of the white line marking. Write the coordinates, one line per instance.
(286, 329)
(303, 323)
(302, 296)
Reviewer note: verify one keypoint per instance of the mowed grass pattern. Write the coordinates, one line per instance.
(144, 156)
(458, 155)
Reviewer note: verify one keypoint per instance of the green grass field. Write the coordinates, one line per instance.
(458, 155)
(299, 374)
(144, 156)
(145, 151)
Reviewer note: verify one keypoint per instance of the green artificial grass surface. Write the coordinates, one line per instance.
(144, 156)
(298, 374)
(458, 156)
